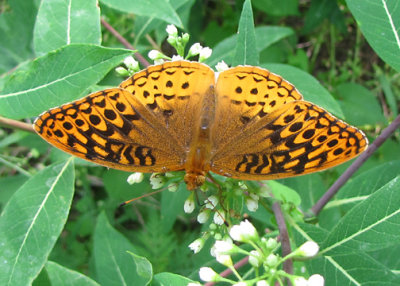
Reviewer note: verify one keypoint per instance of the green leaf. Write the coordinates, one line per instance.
(359, 188)
(265, 37)
(388, 92)
(356, 268)
(370, 225)
(283, 193)
(58, 77)
(143, 269)
(319, 11)
(353, 269)
(359, 105)
(170, 279)
(114, 265)
(160, 9)
(32, 221)
(15, 33)
(61, 276)
(246, 51)
(172, 206)
(144, 24)
(311, 89)
(379, 22)
(65, 22)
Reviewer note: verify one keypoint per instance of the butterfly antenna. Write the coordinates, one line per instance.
(144, 196)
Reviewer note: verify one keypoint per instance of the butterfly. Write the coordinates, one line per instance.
(245, 122)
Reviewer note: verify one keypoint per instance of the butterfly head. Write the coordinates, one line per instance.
(194, 180)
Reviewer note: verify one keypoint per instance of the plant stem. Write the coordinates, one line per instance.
(15, 124)
(123, 41)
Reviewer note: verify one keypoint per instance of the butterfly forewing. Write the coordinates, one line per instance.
(246, 94)
(173, 92)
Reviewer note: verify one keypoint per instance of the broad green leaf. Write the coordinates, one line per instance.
(160, 9)
(379, 21)
(370, 225)
(352, 269)
(283, 193)
(246, 51)
(169, 279)
(355, 268)
(172, 206)
(359, 105)
(265, 37)
(114, 265)
(58, 77)
(65, 22)
(311, 89)
(143, 268)
(144, 24)
(32, 221)
(359, 188)
(16, 28)
(61, 276)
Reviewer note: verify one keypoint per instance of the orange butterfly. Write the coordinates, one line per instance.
(246, 123)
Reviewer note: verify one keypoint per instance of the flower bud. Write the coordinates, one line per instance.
(308, 249)
(197, 245)
(135, 178)
(207, 274)
(316, 280)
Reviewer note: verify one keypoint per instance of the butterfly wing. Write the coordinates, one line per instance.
(294, 137)
(141, 126)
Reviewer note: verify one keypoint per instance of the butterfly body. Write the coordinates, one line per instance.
(246, 123)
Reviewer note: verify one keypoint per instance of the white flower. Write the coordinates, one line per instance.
(316, 280)
(252, 205)
(154, 54)
(197, 245)
(131, 63)
(255, 258)
(156, 181)
(188, 207)
(219, 217)
(300, 281)
(205, 53)
(223, 246)
(211, 202)
(262, 283)
(203, 216)
(208, 274)
(243, 232)
(308, 249)
(172, 30)
(121, 71)
(221, 66)
(195, 49)
(158, 61)
(135, 178)
(271, 260)
(224, 259)
(176, 58)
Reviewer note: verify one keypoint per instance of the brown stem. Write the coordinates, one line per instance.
(124, 42)
(386, 133)
(228, 272)
(285, 241)
(15, 124)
